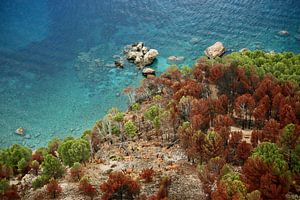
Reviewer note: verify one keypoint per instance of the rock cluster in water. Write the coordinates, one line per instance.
(215, 50)
(140, 55)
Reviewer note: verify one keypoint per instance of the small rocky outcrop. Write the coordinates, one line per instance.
(215, 50)
(140, 55)
(148, 71)
(20, 131)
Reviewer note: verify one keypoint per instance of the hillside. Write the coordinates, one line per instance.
(223, 129)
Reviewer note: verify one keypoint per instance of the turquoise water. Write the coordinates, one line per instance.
(56, 57)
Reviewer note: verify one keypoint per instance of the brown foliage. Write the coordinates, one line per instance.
(119, 186)
(38, 156)
(244, 106)
(235, 139)
(265, 87)
(259, 176)
(243, 151)
(223, 121)
(77, 172)
(185, 135)
(221, 104)
(256, 136)
(220, 193)
(262, 111)
(215, 72)
(147, 174)
(287, 115)
(200, 114)
(87, 188)
(209, 173)
(188, 88)
(270, 131)
(53, 188)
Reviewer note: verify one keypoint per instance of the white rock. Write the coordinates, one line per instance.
(150, 56)
(148, 71)
(215, 50)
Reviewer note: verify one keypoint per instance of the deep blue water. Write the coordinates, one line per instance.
(56, 74)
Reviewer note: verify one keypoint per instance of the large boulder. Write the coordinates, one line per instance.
(150, 56)
(215, 50)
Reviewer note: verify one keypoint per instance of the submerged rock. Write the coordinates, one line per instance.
(148, 71)
(297, 37)
(283, 33)
(119, 64)
(215, 50)
(194, 40)
(140, 55)
(175, 59)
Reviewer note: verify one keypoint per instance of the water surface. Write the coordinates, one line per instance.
(56, 57)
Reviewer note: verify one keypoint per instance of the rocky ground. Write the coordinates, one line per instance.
(131, 157)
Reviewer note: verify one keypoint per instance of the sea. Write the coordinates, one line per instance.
(57, 73)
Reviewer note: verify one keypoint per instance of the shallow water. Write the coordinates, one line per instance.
(56, 56)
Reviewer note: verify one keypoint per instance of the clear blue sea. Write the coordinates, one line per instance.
(56, 56)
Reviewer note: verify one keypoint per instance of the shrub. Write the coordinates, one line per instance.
(119, 116)
(23, 166)
(233, 184)
(4, 185)
(115, 130)
(130, 129)
(151, 112)
(74, 150)
(136, 107)
(119, 186)
(52, 167)
(76, 171)
(40, 181)
(147, 174)
(259, 175)
(270, 154)
(53, 188)
(12, 156)
(87, 188)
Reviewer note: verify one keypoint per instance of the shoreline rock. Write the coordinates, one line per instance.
(148, 71)
(216, 50)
